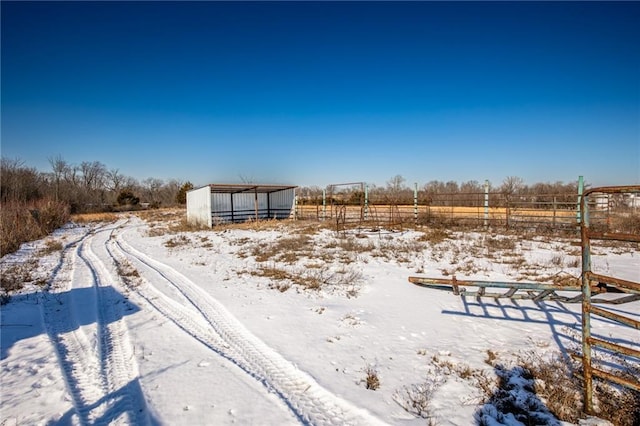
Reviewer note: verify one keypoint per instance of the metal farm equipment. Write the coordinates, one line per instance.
(595, 221)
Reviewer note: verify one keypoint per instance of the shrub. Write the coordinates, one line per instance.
(14, 277)
(177, 241)
(372, 381)
(181, 196)
(126, 198)
(51, 246)
(416, 398)
(22, 222)
(627, 224)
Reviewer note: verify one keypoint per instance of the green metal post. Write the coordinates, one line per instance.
(486, 203)
(415, 203)
(586, 302)
(580, 192)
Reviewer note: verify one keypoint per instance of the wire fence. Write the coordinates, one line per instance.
(478, 209)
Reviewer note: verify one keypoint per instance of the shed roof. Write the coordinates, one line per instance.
(233, 188)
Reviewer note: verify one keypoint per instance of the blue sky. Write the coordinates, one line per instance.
(318, 93)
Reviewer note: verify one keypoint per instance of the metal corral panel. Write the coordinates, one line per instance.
(199, 206)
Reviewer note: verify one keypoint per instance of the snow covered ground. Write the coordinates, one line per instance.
(276, 325)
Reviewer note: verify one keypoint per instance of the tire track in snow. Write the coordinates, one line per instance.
(186, 317)
(312, 403)
(115, 350)
(89, 367)
(80, 369)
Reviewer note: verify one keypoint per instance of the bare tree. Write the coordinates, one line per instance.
(19, 182)
(512, 185)
(168, 191)
(93, 184)
(114, 180)
(93, 175)
(59, 168)
(246, 179)
(396, 189)
(151, 187)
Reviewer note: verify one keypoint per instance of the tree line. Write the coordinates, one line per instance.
(86, 187)
(470, 193)
(35, 203)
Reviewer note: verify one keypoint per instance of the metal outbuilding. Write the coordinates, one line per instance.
(219, 203)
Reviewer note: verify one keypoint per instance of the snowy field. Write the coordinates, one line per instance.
(278, 325)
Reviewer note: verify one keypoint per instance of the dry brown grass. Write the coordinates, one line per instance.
(527, 389)
(500, 243)
(51, 246)
(183, 226)
(22, 222)
(288, 249)
(177, 241)
(94, 217)
(255, 225)
(13, 277)
(629, 224)
(371, 380)
(344, 280)
(435, 236)
(162, 215)
(557, 382)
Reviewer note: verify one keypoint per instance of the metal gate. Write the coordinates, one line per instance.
(605, 213)
(596, 225)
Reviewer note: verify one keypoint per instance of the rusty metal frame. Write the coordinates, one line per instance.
(523, 290)
(617, 290)
(339, 210)
(589, 278)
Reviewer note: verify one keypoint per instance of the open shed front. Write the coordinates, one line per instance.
(220, 203)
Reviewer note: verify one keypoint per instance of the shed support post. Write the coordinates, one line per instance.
(255, 202)
(232, 215)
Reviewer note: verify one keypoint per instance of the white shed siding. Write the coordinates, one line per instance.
(281, 203)
(206, 205)
(199, 206)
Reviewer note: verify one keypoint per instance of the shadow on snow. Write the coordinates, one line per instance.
(26, 316)
(22, 317)
(515, 400)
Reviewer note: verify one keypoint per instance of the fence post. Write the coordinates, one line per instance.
(555, 207)
(508, 209)
(324, 204)
(366, 201)
(486, 203)
(415, 202)
(586, 301)
(580, 191)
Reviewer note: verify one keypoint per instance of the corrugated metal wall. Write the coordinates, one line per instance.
(206, 207)
(275, 205)
(199, 206)
(281, 203)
